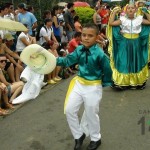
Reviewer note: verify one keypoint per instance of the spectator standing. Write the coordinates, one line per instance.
(77, 24)
(26, 17)
(56, 24)
(69, 22)
(104, 16)
(97, 18)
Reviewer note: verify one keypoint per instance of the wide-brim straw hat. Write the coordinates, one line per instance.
(38, 59)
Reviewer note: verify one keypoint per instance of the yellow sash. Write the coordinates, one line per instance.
(130, 35)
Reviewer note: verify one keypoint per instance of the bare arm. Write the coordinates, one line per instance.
(25, 42)
(112, 21)
(11, 53)
(2, 78)
(94, 18)
(34, 25)
(146, 21)
(55, 22)
(53, 37)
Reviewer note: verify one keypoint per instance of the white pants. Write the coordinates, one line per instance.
(91, 96)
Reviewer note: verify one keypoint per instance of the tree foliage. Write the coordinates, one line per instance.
(85, 14)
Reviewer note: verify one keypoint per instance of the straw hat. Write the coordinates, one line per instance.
(38, 59)
(8, 37)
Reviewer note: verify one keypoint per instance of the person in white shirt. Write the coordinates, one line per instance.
(46, 33)
(24, 39)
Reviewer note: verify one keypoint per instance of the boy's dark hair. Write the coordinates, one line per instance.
(77, 34)
(93, 26)
(47, 20)
(69, 5)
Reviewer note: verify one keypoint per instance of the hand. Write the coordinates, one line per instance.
(117, 9)
(2, 86)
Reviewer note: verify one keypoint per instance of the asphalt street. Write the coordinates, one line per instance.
(41, 125)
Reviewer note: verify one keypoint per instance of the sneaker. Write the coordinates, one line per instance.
(57, 79)
(51, 82)
(23, 79)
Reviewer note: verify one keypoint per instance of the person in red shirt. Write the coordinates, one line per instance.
(74, 42)
(104, 16)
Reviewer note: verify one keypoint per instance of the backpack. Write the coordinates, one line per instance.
(38, 31)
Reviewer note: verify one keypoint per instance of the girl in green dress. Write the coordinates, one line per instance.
(129, 36)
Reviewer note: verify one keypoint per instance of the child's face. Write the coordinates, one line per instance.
(131, 9)
(88, 37)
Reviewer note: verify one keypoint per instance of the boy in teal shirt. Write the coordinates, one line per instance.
(94, 72)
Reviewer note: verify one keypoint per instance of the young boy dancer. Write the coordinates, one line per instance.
(94, 72)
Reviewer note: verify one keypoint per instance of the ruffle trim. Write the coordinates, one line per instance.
(132, 79)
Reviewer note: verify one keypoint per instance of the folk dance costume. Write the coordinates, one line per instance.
(129, 54)
(94, 72)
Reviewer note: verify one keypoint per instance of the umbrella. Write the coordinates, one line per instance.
(62, 4)
(7, 24)
(81, 4)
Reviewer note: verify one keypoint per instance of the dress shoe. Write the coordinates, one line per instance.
(94, 145)
(78, 142)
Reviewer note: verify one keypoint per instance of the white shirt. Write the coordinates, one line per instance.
(20, 46)
(131, 26)
(43, 33)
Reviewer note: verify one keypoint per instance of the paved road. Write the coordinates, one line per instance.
(41, 125)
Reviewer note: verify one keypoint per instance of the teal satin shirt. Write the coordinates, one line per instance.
(93, 63)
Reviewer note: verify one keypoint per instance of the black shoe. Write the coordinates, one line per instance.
(141, 87)
(94, 145)
(78, 142)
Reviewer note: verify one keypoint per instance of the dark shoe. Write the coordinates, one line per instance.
(94, 145)
(23, 79)
(78, 142)
(142, 87)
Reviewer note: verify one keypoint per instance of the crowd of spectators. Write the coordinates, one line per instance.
(59, 32)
